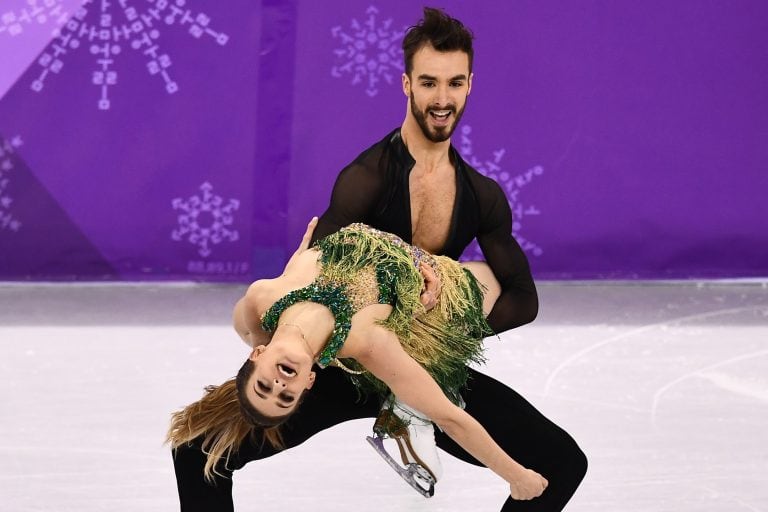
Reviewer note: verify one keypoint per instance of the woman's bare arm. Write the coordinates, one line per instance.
(247, 322)
(380, 352)
(246, 316)
(303, 245)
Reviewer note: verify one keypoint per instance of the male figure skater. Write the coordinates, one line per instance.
(414, 183)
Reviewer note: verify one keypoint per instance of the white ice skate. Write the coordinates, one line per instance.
(414, 435)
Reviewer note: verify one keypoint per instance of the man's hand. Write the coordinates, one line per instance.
(432, 286)
(529, 485)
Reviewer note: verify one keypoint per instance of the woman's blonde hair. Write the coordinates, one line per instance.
(218, 420)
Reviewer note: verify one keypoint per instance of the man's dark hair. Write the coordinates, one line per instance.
(443, 33)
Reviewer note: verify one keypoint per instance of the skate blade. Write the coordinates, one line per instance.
(416, 476)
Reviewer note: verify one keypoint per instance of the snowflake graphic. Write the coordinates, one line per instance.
(41, 12)
(510, 184)
(369, 51)
(204, 221)
(7, 151)
(119, 25)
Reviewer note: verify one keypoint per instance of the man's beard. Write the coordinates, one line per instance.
(442, 133)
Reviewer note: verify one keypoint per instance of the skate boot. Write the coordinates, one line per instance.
(414, 436)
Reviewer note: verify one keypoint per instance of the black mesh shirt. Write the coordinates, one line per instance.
(374, 189)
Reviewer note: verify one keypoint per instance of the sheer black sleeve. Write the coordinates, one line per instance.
(519, 302)
(355, 195)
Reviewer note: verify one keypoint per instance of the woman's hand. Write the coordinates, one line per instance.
(432, 286)
(304, 245)
(529, 485)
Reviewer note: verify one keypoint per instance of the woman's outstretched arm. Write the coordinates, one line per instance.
(380, 352)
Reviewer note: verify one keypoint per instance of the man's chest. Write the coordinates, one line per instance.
(432, 198)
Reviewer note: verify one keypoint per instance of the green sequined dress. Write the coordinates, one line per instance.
(361, 266)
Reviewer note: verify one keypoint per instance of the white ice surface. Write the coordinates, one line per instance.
(665, 387)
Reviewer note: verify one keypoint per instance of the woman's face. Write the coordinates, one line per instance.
(283, 370)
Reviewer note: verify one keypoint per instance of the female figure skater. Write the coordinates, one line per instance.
(355, 301)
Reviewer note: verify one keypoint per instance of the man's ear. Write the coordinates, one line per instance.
(256, 352)
(469, 83)
(406, 85)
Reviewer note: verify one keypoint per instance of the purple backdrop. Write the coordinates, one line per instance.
(183, 139)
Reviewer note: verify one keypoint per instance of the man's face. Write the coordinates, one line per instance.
(438, 87)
